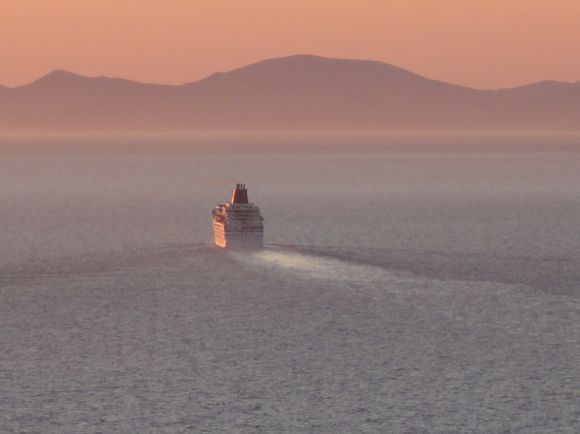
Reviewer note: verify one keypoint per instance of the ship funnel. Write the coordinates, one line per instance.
(240, 194)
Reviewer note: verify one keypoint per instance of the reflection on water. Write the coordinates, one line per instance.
(313, 266)
(348, 276)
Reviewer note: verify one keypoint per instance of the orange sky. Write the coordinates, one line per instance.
(481, 43)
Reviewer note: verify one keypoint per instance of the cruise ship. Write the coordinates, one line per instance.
(238, 223)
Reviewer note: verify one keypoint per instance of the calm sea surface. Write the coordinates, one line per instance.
(409, 285)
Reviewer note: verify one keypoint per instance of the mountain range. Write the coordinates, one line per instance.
(296, 93)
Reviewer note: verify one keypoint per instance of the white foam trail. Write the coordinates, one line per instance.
(312, 266)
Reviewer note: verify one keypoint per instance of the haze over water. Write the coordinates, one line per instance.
(409, 284)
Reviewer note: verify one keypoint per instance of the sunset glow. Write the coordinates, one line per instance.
(480, 43)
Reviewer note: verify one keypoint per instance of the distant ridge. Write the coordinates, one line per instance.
(301, 93)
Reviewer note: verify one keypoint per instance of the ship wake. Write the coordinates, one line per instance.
(318, 267)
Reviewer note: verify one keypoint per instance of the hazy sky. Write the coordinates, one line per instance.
(481, 43)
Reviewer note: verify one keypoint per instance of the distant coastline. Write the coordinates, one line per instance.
(298, 93)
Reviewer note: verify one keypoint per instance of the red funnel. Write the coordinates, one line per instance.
(240, 194)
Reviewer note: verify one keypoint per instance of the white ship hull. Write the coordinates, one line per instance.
(237, 239)
(238, 223)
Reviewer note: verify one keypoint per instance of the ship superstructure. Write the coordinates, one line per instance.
(238, 223)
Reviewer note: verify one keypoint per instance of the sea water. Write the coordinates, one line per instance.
(408, 284)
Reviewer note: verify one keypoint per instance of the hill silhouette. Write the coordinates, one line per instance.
(301, 92)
